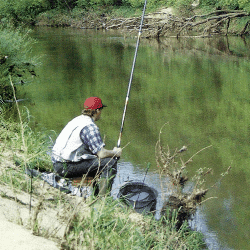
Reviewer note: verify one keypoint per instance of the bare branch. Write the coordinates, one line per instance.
(166, 24)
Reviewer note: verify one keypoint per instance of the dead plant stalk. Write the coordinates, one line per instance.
(25, 149)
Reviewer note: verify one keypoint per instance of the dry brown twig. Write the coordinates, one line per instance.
(156, 26)
(174, 167)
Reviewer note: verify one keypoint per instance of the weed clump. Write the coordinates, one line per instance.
(182, 204)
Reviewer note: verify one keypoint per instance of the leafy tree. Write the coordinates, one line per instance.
(25, 11)
(22, 11)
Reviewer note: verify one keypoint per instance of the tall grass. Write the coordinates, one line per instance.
(22, 146)
(94, 223)
(110, 225)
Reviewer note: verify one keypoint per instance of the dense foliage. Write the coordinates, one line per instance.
(26, 11)
(14, 60)
(126, 3)
(231, 4)
(21, 11)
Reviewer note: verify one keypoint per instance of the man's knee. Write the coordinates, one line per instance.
(113, 165)
(59, 168)
(110, 167)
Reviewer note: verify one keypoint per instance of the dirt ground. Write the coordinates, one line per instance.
(15, 217)
(14, 236)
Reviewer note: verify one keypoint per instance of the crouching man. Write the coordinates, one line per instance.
(79, 148)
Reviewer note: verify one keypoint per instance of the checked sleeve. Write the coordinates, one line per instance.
(91, 138)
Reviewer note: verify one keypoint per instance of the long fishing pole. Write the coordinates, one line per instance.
(131, 74)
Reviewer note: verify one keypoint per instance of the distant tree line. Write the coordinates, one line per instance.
(25, 11)
(14, 45)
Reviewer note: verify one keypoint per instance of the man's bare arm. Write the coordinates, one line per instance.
(105, 153)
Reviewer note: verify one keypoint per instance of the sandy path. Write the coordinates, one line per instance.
(14, 237)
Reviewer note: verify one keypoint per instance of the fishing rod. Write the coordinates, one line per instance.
(131, 74)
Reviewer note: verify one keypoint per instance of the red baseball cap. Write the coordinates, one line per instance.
(93, 103)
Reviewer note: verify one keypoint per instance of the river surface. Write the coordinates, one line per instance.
(198, 88)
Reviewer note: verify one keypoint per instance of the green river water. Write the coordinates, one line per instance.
(199, 88)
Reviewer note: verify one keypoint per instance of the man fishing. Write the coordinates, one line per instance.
(79, 148)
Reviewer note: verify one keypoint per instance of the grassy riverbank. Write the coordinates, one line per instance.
(73, 222)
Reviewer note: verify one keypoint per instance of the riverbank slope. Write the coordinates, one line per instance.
(56, 218)
(74, 222)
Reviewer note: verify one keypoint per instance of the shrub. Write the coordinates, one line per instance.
(62, 4)
(231, 4)
(14, 60)
(22, 11)
(244, 4)
(91, 3)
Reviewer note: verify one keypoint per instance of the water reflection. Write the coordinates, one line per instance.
(199, 87)
(200, 223)
(222, 46)
(127, 172)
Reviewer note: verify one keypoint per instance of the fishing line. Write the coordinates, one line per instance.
(131, 74)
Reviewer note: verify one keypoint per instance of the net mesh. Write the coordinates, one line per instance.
(138, 195)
